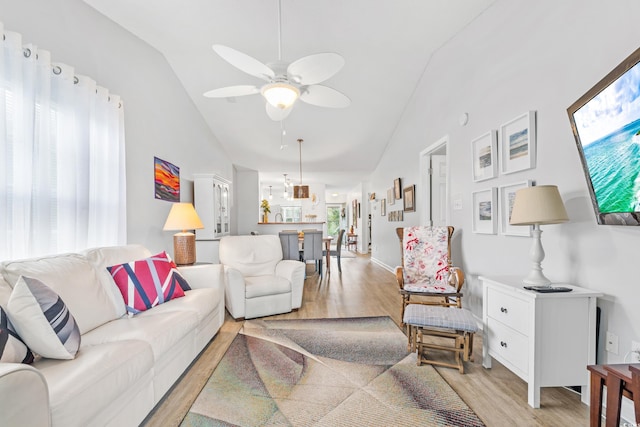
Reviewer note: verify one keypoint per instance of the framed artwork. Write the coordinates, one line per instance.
(409, 198)
(518, 143)
(166, 180)
(485, 156)
(397, 188)
(383, 207)
(507, 197)
(358, 209)
(485, 213)
(354, 213)
(391, 198)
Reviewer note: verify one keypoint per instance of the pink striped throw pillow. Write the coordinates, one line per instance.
(147, 282)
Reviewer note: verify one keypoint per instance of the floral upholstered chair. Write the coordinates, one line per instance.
(426, 269)
(431, 298)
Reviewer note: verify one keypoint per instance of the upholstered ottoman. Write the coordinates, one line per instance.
(442, 322)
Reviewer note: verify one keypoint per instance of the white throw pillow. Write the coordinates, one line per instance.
(43, 320)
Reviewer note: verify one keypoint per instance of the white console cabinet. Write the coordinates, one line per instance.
(547, 339)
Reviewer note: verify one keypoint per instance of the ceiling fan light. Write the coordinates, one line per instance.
(280, 95)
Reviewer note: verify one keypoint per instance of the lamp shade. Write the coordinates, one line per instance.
(183, 216)
(541, 204)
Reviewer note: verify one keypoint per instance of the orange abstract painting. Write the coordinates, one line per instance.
(167, 180)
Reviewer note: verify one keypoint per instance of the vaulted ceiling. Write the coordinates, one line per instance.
(386, 46)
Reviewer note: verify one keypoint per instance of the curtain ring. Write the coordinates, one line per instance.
(26, 52)
(56, 70)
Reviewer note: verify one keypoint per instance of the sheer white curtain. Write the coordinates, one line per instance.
(62, 159)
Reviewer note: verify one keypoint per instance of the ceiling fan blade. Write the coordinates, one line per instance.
(324, 96)
(276, 114)
(314, 69)
(231, 91)
(244, 62)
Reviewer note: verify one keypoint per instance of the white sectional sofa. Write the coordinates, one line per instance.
(125, 363)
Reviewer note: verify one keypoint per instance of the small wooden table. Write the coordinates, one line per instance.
(619, 381)
(352, 240)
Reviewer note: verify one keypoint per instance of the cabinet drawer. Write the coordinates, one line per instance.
(509, 310)
(510, 346)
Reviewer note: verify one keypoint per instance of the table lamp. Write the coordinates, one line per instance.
(536, 206)
(183, 216)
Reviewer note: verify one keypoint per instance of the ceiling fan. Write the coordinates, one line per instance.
(285, 83)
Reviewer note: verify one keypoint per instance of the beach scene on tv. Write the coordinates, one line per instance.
(609, 130)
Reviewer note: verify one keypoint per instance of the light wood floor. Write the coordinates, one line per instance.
(366, 289)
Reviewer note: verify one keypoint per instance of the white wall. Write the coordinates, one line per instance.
(520, 56)
(160, 119)
(247, 197)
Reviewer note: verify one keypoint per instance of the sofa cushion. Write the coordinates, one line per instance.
(161, 330)
(199, 301)
(73, 278)
(43, 320)
(80, 388)
(251, 255)
(260, 286)
(103, 257)
(147, 282)
(12, 348)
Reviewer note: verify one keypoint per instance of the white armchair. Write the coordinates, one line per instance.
(258, 282)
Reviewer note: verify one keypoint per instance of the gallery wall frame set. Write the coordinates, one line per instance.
(507, 196)
(518, 143)
(409, 198)
(485, 211)
(485, 156)
(513, 147)
(495, 204)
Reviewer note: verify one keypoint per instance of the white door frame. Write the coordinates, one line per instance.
(425, 178)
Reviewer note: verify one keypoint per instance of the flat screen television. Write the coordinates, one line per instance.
(606, 125)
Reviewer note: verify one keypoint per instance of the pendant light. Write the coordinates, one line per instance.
(286, 185)
(270, 195)
(300, 191)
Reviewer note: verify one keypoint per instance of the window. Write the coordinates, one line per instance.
(291, 214)
(333, 220)
(62, 170)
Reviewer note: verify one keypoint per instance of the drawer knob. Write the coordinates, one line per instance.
(503, 344)
(503, 309)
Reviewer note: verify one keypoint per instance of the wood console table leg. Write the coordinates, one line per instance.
(614, 400)
(595, 406)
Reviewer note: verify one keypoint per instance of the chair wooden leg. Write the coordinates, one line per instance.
(339, 265)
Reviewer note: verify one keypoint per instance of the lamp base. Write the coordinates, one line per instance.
(535, 276)
(184, 248)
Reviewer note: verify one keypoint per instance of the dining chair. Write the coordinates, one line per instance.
(290, 245)
(338, 250)
(312, 248)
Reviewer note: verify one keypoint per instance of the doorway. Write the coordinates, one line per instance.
(334, 220)
(434, 176)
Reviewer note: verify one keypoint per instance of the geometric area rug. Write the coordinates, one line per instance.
(325, 372)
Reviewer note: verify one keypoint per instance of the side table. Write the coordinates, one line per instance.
(547, 339)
